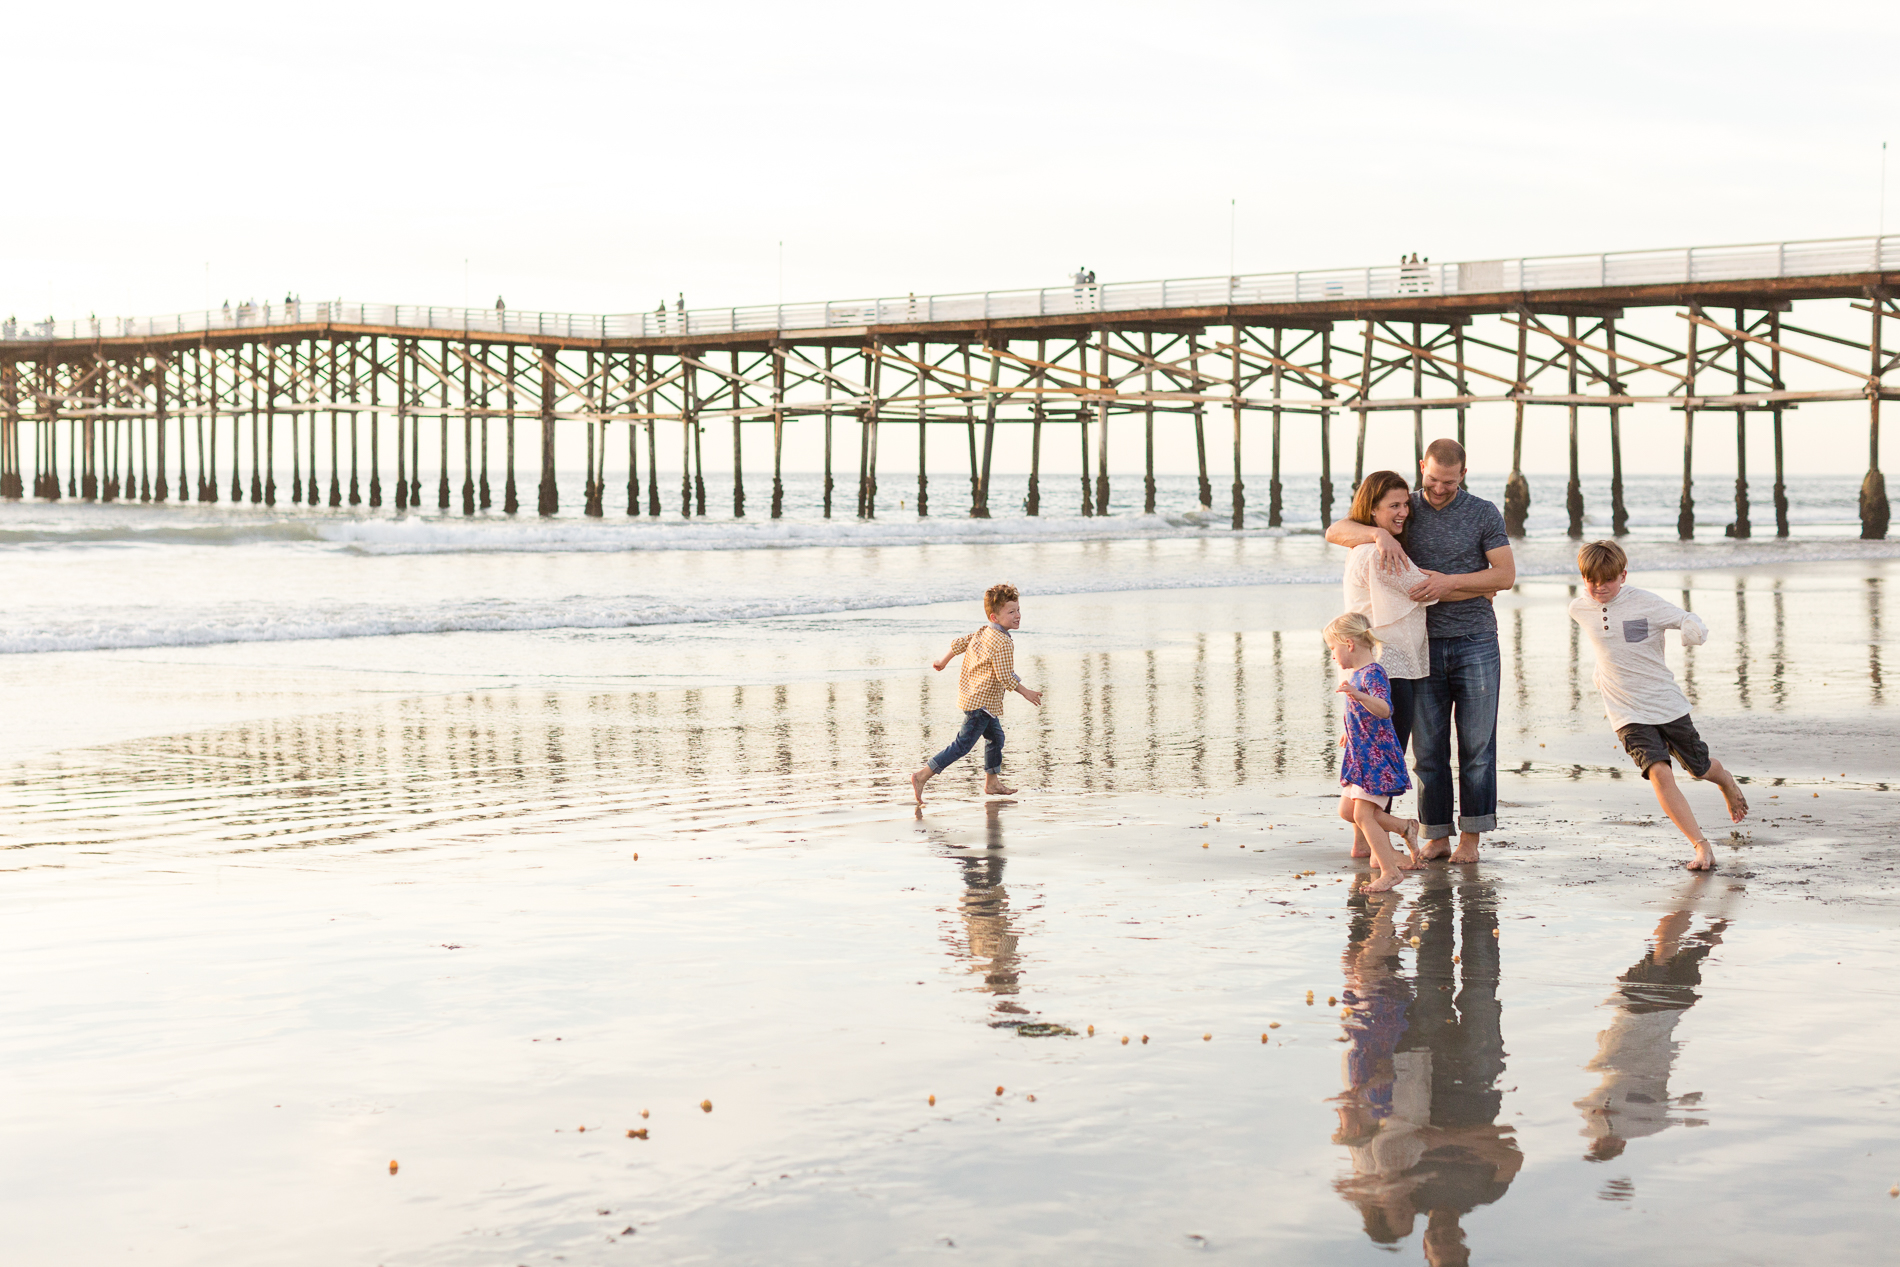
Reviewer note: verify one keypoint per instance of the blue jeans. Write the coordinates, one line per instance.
(1463, 686)
(977, 724)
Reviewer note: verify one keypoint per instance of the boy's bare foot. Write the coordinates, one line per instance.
(1704, 859)
(1467, 850)
(1410, 835)
(1737, 803)
(994, 787)
(1384, 883)
(1436, 849)
(917, 781)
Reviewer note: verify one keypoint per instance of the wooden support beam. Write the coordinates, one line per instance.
(1148, 455)
(548, 500)
(1200, 434)
(1032, 500)
(1273, 478)
(468, 435)
(778, 434)
(738, 452)
(1573, 492)
(1685, 513)
(161, 400)
(402, 424)
(981, 509)
(1874, 511)
(1326, 434)
(1619, 513)
(1240, 494)
(1774, 379)
(1740, 528)
(1101, 421)
(1517, 490)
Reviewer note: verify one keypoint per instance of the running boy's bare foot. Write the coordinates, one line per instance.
(1704, 859)
(1467, 850)
(1731, 790)
(1414, 859)
(993, 786)
(917, 781)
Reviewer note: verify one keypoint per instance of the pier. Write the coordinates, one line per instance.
(397, 407)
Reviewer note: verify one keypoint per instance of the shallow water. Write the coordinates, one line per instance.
(283, 912)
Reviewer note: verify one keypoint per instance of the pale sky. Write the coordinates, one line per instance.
(601, 157)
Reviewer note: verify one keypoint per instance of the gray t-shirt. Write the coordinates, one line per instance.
(1454, 541)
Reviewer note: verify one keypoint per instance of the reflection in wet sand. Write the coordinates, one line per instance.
(1638, 1050)
(1420, 1108)
(983, 906)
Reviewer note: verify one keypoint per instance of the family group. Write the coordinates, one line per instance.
(1417, 650)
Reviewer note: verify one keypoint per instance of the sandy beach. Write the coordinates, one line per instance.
(446, 900)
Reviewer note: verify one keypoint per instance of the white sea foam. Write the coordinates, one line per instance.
(172, 599)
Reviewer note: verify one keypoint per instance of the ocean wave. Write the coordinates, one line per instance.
(717, 599)
(473, 536)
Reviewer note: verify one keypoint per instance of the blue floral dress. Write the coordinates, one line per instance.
(1374, 760)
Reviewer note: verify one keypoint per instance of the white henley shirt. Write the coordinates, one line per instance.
(1627, 636)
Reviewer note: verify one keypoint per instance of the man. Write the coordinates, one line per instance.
(1457, 539)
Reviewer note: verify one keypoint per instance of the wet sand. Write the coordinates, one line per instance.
(369, 907)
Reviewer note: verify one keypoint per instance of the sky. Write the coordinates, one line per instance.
(600, 158)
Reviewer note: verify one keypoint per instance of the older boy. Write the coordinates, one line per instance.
(1640, 696)
(988, 673)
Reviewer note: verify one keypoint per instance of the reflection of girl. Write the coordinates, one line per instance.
(1382, 595)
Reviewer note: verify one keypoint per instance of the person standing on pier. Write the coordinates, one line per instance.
(1457, 539)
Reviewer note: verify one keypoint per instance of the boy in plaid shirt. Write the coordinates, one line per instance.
(988, 673)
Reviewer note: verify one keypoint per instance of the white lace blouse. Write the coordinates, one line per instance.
(1382, 597)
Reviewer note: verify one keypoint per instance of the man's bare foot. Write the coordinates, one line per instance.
(1467, 850)
(1737, 803)
(917, 781)
(1704, 859)
(993, 786)
(1435, 849)
(1415, 859)
(1384, 883)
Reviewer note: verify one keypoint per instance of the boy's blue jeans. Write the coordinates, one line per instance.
(1463, 686)
(977, 724)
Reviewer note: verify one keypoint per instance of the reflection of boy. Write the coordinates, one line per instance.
(1636, 1053)
(1648, 710)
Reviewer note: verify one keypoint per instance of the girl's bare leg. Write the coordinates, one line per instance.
(1662, 778)
(1407, 830)
(1360, 849)
(1366, 817)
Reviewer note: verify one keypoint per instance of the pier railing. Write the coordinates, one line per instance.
(1762, 260)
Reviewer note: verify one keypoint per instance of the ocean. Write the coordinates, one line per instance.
(444, 892)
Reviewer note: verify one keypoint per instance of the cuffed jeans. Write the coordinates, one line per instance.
(977, 724)
(1462, 688)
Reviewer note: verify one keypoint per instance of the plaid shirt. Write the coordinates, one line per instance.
(989, 669)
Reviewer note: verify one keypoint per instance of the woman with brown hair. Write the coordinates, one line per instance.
(1382, 595)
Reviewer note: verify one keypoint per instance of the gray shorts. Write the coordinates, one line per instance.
(1652, 743)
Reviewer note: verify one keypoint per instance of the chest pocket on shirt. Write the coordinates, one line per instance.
(1636, 630)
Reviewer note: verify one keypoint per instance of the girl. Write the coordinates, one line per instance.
(1373, 771)
(1382, 594)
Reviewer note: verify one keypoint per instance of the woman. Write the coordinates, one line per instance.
(1382, 595)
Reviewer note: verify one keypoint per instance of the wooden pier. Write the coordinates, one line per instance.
(363, 399)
